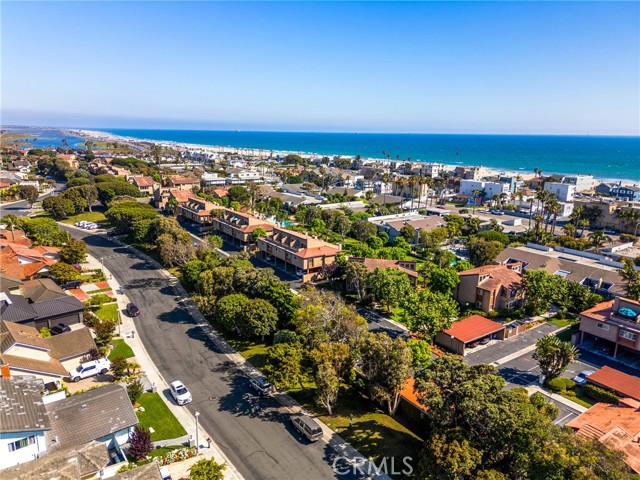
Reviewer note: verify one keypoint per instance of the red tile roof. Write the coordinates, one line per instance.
(317, 252)
(473, 328)
(498, 275)
(614, 425)
(601, 311)
(182, 196)
(143, 181)
(627, 385)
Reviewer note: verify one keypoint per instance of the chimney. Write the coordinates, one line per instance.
(5, 371)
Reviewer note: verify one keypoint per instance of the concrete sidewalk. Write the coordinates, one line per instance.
(558, 398)
(127, 330)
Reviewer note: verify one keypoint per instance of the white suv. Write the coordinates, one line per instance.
(180, 393)
(89, 369)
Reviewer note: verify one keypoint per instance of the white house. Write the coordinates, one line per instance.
(564, 192)
(23, 421)
(212, 179)
(490, 188)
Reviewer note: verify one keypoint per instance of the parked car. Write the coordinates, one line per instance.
(495, 211)
(261, 385)
(611, 231)
(485, 340)
(581, 378)
(132, 310)
(180, 393)
(308, 427)
(60, 328)
(71, 284)
(90, 369)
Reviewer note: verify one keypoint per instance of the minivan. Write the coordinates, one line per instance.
(308, 427)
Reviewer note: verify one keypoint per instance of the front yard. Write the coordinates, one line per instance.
(120, 349)
(95, 217)
(108, 311)
(157, 415)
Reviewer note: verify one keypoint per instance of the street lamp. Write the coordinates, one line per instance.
(197, 442)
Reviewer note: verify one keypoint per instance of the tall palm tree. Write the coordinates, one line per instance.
(554, 209)
(598, 239)
(630, 217)
(475, 193)
(386, 177)
(632, 277)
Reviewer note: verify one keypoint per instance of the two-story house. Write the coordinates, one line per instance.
(199, 212)
(405, 266)
(238, 226)
(24, 421)
(615, 323)
(630, 193)
(297, 252)
(146, 185)
(492, 287)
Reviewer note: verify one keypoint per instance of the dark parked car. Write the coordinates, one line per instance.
(60, 328)
(132, 310)
(485, 340)
(71, 284)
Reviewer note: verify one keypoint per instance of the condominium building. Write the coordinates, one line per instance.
(199, 212)
(297, 252)
(238, 226)
(615, 323)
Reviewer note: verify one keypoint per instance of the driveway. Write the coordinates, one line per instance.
(254, 433)
(377, 323)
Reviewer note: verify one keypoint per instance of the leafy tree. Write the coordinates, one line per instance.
(259, 318)
(75, 251)
(135, 390)
(206, 469)
(386, 365)
(58, 207)
(29, 193)
(107, 191)
(77, 198)
(258, 233)
(76, 182)
(172, 252)
(408, 233)
(443, 280)
(229, 310)
(327, 386)
(217, 281)
(90, 194)
(63, 272)
(483, 252)
(284, 365)
(493, 235)
(239, 194)
(140, 444)
(357, 276)
(285, 336)
(118, 364)
(421, 354)
(279, 294)
(361, 230)
(428, 312)
(579, 298)
(541, 289)
(375, 243)
(215, 241)
(389, 286)
(632, 278)
(124, 215)
(554, 356)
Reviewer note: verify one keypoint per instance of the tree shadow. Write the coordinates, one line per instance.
(517, 376)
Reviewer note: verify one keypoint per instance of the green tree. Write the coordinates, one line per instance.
(134, 390)
(632, 278)
(90, 194)
(104, 330)
(215, 241)
(408, 233)
(258, 233)
(29, 193)
(386, 365)
(483, 252)
(206, 469)
(357, 278)
(327, 386)
(375, 243)
(239, 194)
(421, 354)
(361, 230)
(63, 272)
(541, 289)
(428, 312)
(554, 356)
(43, 231)
(259, 318)
(389, 286)
(229, 310)
(279, 294)
(75, 251)
(283, 366)
(443, 280)
(58, 207)
(77, 198)
(598, 239)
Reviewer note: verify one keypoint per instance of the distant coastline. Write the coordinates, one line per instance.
(606, 158)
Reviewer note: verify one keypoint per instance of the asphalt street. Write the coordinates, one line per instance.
(21, 208)
(253, 432)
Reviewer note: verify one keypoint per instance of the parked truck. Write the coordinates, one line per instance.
(90, 369)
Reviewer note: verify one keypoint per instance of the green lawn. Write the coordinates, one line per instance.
(580, 399)
(93, 292)
(374, 433)
(254, 352)
(120, 349)
(108, 311)
(158, 416)
(96, 217)
(565, 335)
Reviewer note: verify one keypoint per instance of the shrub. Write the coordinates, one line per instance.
(560, 384)
(134, 390)
(140, 445)
(99, 299)
(627, 237)
(285, 336)
(600, 394)
(44, 332)
(119, 367)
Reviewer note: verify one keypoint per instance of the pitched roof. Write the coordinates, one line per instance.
(71, 344)
(49, 367)
(63, 464)
(8, 283)
(91, 415)
(373, 263)
(615, 425)
(41, 289)
(627, 385)
(18, 310)
(14, 333)
(143, 181)
(58, 306)
(317, 251)
(473, 328)
(181, 196)
(21, 406)
(150, 471)
(601, 311)
(498, 275)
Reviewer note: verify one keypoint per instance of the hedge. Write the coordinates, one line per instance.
(600, 394)
(560, 384)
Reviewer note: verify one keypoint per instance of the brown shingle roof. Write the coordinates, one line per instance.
(473, 328)
(41, 289)
(71, 344)
(21, 406)
(498, 275)
(181, 196)
(50, 367)
(373, 263)
(627, 385)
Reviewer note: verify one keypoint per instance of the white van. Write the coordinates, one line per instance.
(308, 427)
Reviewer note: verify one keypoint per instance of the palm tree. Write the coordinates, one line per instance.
(386, 176)
(569, 230)
(598, 239)
(88, 144)
(631, 217)
(632, 277)
(475, 193)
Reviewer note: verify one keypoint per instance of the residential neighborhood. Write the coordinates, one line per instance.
(126, 292)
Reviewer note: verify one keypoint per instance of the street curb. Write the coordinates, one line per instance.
(331, 438)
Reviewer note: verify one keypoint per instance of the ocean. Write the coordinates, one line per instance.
(602, 157)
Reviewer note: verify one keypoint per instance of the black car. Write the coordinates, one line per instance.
(132, 310)
(60, 328)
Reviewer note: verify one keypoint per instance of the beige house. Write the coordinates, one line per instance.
(617, 322)
(50, 359)
(492, 287)
(239, 226)
(145, 185)
(297, 252)
(197, 211)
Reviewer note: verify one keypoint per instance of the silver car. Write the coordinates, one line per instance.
(180, 393)
(581, 378)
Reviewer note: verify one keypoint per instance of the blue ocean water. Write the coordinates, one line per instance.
(603, 157)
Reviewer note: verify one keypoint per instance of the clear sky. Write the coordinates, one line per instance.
(452, 67)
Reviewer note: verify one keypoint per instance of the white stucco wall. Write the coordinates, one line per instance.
(22, 455)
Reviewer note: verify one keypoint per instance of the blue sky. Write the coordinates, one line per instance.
(450, 67)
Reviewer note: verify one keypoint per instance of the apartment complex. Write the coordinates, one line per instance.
(198, 211)
(238, 226)
(492, 287)
(298, 252)
(616, 322)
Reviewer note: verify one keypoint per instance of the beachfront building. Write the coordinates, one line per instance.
(609, 214)
(564, 192)
(487, 189)
(629, 193)
(213, 180)
(237, 226)
(615, 324)
(583, 183)
(297, 252)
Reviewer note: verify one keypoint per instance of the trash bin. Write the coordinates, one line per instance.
(192, 441)
(153, 388)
